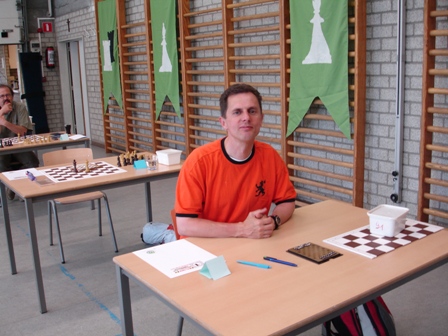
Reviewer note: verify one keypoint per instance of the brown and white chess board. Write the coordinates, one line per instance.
(20, 140)
(362, 242)
(67, 173)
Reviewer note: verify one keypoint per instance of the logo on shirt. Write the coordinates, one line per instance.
(260, 188)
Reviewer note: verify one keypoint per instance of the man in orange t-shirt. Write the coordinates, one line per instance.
(226, 187)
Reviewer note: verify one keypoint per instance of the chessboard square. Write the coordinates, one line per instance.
(366, 230)
(382, 240)
(425, 232)
(406, 231)
(364, 248)
(373, 244)
(420, 225)
(433, 228)
(362, 241)
(402, 241)
(376, 252)
(394, 245)
(385, 248)
(352, 244)
(417, 235)
(350, 237)
(413, 229)
(371, 237)
(410, 238)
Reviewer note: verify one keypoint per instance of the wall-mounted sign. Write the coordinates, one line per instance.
(47, 27)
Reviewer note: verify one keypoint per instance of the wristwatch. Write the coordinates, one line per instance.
(277, 221)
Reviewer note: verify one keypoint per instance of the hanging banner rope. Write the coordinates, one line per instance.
(164, 38)
(319, 60)
(110, 71)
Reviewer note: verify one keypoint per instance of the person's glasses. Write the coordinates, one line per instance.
(8, 95)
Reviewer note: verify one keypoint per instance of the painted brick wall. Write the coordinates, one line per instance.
(83, 26)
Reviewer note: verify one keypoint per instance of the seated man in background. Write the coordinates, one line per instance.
(226, 187)
(14, 120)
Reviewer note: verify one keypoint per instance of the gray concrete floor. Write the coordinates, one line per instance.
(82, 294)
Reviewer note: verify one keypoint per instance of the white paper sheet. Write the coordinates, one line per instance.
(21, 174)
(176, 258)
(77, 136)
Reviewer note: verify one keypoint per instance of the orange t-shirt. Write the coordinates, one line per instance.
(213, 186)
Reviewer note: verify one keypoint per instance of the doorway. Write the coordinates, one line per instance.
(74, 86)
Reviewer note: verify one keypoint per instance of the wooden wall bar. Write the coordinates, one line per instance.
(433, 188)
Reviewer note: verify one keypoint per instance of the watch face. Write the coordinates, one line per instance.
(277, 220)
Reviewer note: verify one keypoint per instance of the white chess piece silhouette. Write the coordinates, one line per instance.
(107, 66)
(319, 51)
(166, 63)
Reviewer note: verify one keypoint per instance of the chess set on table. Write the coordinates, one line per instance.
(28, 140)
(363, 242)
(80, 171)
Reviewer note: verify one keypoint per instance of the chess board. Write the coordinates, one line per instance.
(67, 173)
(362, 242)
(20, 140)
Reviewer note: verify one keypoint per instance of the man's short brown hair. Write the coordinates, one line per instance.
(237, 89)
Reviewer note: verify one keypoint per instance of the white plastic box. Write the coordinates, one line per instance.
(168, 156)
(387, 220)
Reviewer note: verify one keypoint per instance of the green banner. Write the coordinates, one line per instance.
(165, 51)
(319, 60)
(110, 70)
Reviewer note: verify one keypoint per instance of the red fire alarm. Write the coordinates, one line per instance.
(47, 27)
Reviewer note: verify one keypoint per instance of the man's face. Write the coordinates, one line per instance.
(5, 96)
(243, 117)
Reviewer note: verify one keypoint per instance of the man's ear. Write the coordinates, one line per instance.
(223, 122)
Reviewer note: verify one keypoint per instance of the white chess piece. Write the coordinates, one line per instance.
(319, 51)
(166, 63)
(107, 66)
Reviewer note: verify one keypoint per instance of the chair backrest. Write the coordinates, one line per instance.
(67, 156)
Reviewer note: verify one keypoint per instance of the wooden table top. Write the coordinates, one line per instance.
(20, 147)
(255, 301)
(27, 189)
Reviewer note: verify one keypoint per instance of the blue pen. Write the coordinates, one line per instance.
(253, 264)
(280, 261)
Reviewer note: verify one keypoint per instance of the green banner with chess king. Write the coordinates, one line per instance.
(165, 51)
(319, 60)
(110, 71)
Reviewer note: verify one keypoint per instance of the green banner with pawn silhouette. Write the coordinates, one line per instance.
(319, 60)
